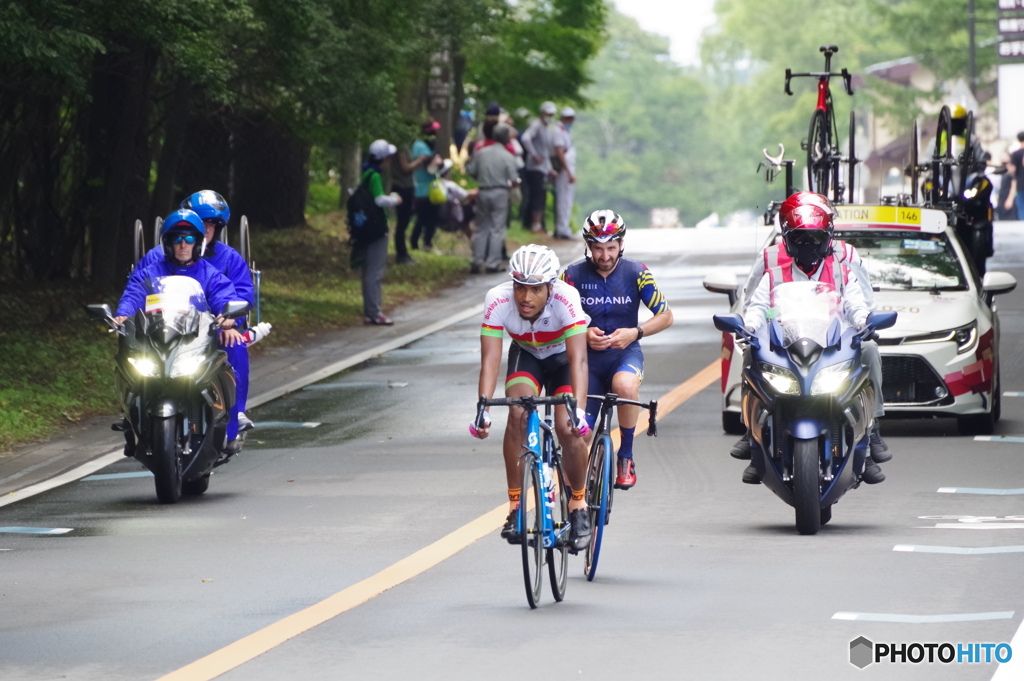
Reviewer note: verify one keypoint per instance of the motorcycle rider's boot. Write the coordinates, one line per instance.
(129, 436)
(741, 450)
(244, 422)
(234, 446)
(872, 472)
(879, 450)
(751, 475)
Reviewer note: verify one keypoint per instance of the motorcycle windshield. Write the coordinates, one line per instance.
(805, 310)
(174, 304)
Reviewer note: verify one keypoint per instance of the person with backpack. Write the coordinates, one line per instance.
(368, 229)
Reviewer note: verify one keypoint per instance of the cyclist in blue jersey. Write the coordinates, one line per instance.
(611, 289)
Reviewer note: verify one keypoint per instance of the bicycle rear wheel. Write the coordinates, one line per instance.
(558, 557)
(819, 153)
(599, 486)
(531, 526)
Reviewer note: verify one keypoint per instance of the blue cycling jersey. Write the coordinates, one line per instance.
(613, 302)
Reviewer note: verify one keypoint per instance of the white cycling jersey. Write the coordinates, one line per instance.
(561, 318)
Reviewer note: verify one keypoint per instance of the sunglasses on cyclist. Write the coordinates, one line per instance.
(528, 279)
(606, 229)
(187, 238)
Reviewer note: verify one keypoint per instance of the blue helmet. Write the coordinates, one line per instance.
(183, 223)
(209, 205)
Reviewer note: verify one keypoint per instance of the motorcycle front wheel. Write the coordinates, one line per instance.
(806, 486)
(167, 468)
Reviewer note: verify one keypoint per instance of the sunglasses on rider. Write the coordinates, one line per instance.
(606, 229)
(187, 238)
(809, 236)
(528, 279)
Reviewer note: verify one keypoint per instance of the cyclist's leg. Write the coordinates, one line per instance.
(626, 380)
(557, 381)
(524, 378)
(598, 383)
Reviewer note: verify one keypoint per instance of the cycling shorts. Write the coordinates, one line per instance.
(603, 365)
(550, 373)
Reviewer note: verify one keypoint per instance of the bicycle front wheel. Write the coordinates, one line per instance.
(819, 153)
(558, 557)
(599, 487)
(530, 524)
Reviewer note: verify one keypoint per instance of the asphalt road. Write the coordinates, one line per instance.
(700, 576)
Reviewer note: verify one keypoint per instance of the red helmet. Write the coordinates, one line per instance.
(806, 219)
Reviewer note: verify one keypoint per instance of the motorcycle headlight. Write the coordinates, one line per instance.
(782, 380)
(186, 365)
(145, 366)
(831, 380)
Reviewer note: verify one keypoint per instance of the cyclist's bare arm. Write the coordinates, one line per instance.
(490, 363)
(576, 349)
(621, 338)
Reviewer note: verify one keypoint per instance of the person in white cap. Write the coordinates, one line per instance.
(565, 165)
(537, 142)
(372, 256)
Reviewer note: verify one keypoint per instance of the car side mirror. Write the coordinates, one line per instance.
(722, 282)
(881, 320)
(996, 283)
(99, 312)
(234, 309)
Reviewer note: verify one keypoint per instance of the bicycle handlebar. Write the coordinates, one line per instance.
(528, 402)
(844, 74)
(611, 400)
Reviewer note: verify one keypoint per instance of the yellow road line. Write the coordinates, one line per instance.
(253, 645)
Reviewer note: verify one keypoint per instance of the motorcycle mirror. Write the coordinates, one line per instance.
(881, 320)
(100, 312)
(730, 323)
(234, 309)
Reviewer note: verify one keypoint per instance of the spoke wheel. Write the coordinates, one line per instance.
(806, 486)
(819, 153)
(157, 226)
(531, 531)
(558, 557)
(167, 471)
(244, 246)
(599, 487)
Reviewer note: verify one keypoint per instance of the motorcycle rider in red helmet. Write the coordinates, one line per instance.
(808, 252)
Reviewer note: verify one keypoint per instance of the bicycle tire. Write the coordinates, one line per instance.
(243, 241)
(599, 490)
(851, 163)
(914, 170)
(558, 557)
(942, 158)
(819, 153)
(530, 530)
(157, 226)
(139, 248)
(966, 160)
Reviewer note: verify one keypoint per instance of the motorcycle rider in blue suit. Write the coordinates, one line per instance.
(213, 210)
(181, 253)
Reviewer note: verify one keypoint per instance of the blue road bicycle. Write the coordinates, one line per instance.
(600, 472)
(543, 518)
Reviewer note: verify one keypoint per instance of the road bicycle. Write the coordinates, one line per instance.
(600, 472)
(543, 518)
(822, 148)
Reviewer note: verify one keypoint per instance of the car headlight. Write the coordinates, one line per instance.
(831, 380)
(186, 365)
(782, 380)
(966, 338)
(145, 366)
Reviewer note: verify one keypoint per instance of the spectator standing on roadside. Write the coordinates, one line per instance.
(1016, 170)
(537, 143)
(372, 256)
(403, 185)
(565, 181)
(424, 156)
(494, 169)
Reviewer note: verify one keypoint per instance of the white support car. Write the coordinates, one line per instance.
(942, 357)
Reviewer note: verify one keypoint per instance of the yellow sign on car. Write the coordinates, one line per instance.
(890, 217)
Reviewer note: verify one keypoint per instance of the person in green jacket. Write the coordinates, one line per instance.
(372, 256)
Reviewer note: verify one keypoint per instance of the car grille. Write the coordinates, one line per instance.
(911, 380)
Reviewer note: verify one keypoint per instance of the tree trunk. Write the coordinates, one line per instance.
(271, 174)
(170, 152)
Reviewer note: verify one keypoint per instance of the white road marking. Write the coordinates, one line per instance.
(997, 438)
(922, 619)
(1009, 394)
(35, 530)
(960, 550)
(979, 526)
(118, 476)
(1014, 669)
(979, 490)
(286, 424)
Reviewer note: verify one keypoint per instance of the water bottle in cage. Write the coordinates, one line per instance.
(549, 484)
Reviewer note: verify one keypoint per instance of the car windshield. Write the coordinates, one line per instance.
(901, 261)
(805, 310)
(175, 302)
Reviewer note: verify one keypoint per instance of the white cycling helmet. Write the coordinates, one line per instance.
(602, 226)
(533, 265)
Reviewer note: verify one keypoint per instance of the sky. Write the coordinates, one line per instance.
(682, 21)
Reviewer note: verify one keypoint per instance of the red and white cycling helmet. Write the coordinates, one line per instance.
(603, 226)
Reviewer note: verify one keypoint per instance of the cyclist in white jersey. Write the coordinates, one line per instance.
(545, 319)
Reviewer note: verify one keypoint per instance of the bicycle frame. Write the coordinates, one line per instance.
(541, 432)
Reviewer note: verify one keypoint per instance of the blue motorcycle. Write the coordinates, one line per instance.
(807, 398)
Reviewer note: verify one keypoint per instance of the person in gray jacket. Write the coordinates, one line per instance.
(494, 169)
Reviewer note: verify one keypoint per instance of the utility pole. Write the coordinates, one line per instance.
(972, 77)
